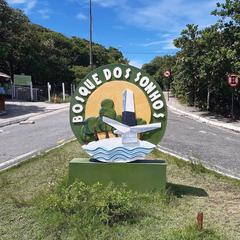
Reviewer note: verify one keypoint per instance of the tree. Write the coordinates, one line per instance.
(157, 67)
(14, 32)
(107, 110)
(204, 60)
(186, 71)
(80, 72)
(46, 55)
(115, 56)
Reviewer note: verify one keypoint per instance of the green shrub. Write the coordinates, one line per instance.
(79, 207)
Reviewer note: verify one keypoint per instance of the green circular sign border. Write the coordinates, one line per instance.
(154, 136)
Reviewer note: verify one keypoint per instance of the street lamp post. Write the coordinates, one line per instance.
(90, 41)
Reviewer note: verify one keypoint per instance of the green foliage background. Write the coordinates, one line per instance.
(46, 55)
(205, 59)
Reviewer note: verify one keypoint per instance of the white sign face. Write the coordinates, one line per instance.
(167, 73)
(233, 80)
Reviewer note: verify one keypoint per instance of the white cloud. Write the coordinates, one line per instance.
(26, 5)
(30, 4)
(108, 3)
(169, 46)
(136, 63)
(153, 43)
(102, 3)
(171, 16)
(16, 1)
(81, 16)
(44, 13)
(165, 42)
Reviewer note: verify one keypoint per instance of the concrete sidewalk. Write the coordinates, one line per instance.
(21, 111)
(202, 116)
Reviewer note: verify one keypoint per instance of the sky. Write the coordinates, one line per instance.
(141, 29)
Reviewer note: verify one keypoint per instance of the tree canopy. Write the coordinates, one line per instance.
(46, 55)
(205, 59)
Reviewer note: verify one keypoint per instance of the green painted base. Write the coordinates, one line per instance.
(141, 175)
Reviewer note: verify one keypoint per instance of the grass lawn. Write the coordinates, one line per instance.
(191, 189)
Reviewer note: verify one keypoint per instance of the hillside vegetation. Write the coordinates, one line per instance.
(46, 55)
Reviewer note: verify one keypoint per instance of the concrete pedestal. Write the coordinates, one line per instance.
(141, 175)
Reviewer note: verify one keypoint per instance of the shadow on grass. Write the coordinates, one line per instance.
(180, 190)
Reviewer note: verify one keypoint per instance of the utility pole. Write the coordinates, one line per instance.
(90, 41)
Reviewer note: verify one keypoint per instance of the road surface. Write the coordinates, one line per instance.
(22, 141)
(214, 147)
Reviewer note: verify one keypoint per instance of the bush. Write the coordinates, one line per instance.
(79, 208)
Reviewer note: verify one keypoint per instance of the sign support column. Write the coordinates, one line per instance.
(49, 92)
(168, 74)
(31, 91)
(232, 104)
(63, 90)
(233, 83)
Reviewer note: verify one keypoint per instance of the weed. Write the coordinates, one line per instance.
(191, 232)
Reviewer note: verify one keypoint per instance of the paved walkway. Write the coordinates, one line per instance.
(201, 116)
(21, 111)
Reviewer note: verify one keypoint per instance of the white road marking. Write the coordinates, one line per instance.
(27, 122)
(210, 133)
(16, 160)
(61, 141)
(214, 134)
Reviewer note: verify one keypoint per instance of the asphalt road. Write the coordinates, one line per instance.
(217, 148)
(21, 141)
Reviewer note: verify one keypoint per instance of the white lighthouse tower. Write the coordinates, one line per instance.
(128, 114)
(128, 129)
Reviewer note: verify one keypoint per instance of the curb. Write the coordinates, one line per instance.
(215, 169)
(24, 157)
(13, 121)
(205, 120)
(21, 119)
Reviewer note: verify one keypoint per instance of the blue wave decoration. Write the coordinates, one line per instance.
(118, 148)
(119, 156)
(119, 151)
(113, 150)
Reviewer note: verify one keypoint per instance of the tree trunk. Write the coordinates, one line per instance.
(96, 135)
(106, 134)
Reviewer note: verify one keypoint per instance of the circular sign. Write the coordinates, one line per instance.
(167, 73)
(233, 80)
(118, 113)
